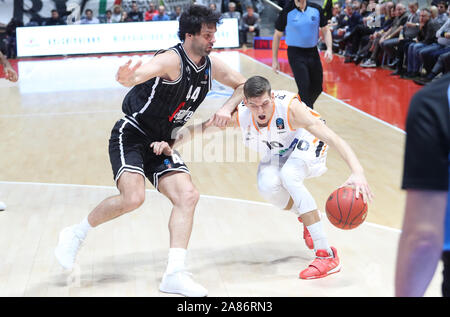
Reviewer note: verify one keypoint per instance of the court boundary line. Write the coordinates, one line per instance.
(250, 202)
(334, 98)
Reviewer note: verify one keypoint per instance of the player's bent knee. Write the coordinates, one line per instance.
(188, 198)
(272, 191)
(268, 185)
(133, 201)
(268, 181)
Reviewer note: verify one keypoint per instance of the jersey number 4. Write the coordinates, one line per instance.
(194, 95)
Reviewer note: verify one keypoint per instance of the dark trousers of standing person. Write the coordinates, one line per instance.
(446, 274)
(307, 68)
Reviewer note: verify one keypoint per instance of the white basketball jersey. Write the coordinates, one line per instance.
(279, 138)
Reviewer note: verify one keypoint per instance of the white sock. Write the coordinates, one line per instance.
(82, 229)
(319, 237)
(176, 261)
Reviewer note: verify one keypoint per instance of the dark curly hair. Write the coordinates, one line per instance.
(192, 19)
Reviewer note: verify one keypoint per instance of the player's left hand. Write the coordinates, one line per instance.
(328, 56)
(161, 148)
(359, 182)
(11, 74)
(125, 74)
(220, 118)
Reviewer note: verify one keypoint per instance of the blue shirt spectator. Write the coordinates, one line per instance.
(161, 16)
(89, 18)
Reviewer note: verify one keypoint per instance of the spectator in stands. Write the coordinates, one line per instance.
(232, 13)
(213, 7)
(407, 36)
(238, 3)
(175, 15)
(393, 32)
(161, 16)
(116, 14)
(442, 46)
(125, 17)
(353, 20)
(108, 17)
(363, 10)
(338, 22)
(386, 18)
(434, 12)
(250, 23)
(361, 35)
(55, 19)
(336, 16)
(89, 18)
(151, 12)
(257, 5)
(426, 36)
(135, 15)
(442, 12)
(442, 66)
(347, 24)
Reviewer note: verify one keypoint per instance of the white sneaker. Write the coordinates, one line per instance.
(2, 206)
(369, 64)
(181, 282)
(67, 248)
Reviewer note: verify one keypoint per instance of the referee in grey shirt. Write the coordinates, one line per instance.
(301, 20)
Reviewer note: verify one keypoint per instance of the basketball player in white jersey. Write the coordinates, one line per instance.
(293, 142)
(11, 75)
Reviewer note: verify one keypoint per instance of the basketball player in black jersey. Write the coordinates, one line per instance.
(166, 92)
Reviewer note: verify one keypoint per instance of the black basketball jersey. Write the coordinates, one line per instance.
(158, 106)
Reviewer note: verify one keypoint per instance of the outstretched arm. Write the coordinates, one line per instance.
(231, 78)
(301, 117)
(165, 65)
(186, 134)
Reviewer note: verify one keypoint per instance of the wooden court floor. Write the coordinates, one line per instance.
(55, 125)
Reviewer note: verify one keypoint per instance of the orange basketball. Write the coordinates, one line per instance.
(344, 210)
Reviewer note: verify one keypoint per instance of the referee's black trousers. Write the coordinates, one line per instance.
(307, 68)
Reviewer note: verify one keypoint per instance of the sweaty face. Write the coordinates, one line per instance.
(261, 108)
(203, 42)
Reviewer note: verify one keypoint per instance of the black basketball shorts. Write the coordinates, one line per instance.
(129, 150)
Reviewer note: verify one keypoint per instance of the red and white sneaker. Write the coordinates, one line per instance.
(307, 236)
(322, 266)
